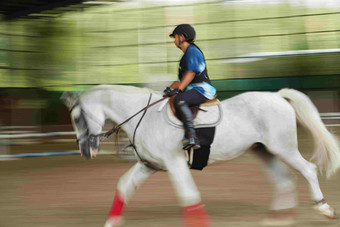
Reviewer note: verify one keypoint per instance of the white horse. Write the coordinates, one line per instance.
(266, 118)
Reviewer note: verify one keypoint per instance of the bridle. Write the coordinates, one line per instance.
(103, 136)
(90, 137)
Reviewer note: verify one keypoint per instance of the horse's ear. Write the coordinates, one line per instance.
(69, 99)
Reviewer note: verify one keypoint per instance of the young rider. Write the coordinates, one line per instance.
(193, 86)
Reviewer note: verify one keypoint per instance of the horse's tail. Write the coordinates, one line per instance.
(326, 145)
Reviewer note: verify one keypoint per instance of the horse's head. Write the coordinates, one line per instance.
(86, 123)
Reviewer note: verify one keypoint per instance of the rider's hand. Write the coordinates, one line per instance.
(166, 90)
(170, 92)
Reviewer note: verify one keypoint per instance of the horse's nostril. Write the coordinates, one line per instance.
(85, 151)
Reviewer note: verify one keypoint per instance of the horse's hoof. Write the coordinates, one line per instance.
(277, 222)
(114, 221)
(196, 216)
(327, 211)
(286, 217)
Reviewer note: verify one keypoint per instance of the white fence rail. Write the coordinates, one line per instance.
(324, 116)
(128, 155)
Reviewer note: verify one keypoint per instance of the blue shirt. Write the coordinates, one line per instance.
(193, 60)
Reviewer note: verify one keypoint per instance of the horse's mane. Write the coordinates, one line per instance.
(120, 88)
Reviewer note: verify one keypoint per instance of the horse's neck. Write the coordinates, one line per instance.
(122, 106)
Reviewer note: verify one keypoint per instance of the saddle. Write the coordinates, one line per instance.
(208, 114)
(194, 109)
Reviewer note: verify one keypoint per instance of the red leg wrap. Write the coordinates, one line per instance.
(196, 216)
(117, 205)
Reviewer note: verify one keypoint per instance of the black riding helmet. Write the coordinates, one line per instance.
(187, 30)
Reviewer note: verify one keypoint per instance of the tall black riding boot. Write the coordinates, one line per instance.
(190, 140)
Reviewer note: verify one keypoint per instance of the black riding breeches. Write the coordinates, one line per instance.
(191, 98)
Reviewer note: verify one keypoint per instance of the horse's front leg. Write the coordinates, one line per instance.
(126, 187)
(195, 214)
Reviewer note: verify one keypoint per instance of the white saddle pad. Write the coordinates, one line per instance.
(211, 117)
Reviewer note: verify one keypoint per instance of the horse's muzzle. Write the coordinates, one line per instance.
(85, 149)
(89, 148)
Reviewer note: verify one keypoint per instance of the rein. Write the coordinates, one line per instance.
(116, 129)
(132, 143)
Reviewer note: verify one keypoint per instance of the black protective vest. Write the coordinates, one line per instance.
(202, 77)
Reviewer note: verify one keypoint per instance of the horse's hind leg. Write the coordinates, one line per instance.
(126, 187)
(292, 156)
(189, 197)
(282, 210)
(283, 180)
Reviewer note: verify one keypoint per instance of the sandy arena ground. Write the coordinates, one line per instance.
(70, 191)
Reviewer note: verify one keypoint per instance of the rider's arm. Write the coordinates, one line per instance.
(185, 81)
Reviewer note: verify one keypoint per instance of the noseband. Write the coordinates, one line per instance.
(90, 137)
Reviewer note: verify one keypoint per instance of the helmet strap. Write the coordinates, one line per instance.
(179, 42)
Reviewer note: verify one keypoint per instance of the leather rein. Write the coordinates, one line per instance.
(104, 136)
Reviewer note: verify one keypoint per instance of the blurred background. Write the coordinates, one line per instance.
(49, 46)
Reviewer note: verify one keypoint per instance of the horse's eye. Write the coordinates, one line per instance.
(77, 119)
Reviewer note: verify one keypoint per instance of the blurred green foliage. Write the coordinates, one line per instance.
(129, 43)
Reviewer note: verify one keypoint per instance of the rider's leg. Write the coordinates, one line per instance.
(126, 187)
(191, 139)
(182, 103)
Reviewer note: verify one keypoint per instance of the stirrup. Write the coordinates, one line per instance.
(190, 143)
